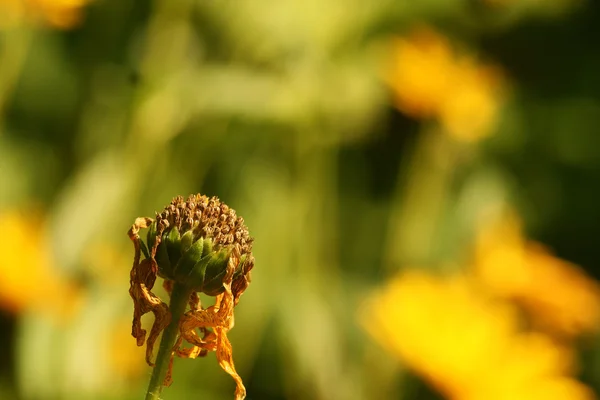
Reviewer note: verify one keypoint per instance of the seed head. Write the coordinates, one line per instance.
(193, 241)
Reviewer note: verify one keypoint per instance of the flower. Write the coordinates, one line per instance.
(198, 245)
(431, 80)
(61, 14)
(557, 295)
(194, 241)
(124, 357)
(29, 278)
(466, 345)
(471, 111)
(421, 73)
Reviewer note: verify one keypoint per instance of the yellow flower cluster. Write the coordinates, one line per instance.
(464, 334)
(557, 295)
(467, 346)
(30, 282)
(62, 14)
(28, 276)
(430, 80)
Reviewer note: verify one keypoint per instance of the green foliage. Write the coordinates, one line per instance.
(281, 110)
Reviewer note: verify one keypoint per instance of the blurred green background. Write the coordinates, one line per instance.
(357, 139)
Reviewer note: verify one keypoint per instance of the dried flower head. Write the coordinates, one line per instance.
(195, 245)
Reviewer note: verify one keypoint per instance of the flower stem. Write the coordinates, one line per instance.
(179, 299)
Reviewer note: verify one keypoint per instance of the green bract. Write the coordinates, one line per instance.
(194, 241)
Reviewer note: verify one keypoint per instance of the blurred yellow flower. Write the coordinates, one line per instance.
(104, 261)
(430, 80)
(126, 358)
(62, 14)
(557, 295)
(465, 345)
(421, 73)
(28, 278)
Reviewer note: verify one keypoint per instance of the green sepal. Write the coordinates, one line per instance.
(173, 242)
(186, 241)
(151, 236)
(165, 270)
(195, 279)
(208, 245)
(144, 249)
(188, 260)
(216, 269)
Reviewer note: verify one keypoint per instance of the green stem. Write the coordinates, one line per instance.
(179, 300)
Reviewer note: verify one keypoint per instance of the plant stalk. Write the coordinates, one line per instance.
(179, 300)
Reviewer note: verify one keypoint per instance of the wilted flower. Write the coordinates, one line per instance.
(198, 245)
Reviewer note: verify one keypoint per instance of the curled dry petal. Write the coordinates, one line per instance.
(219, 318)
(225, 358)
(142, 278)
